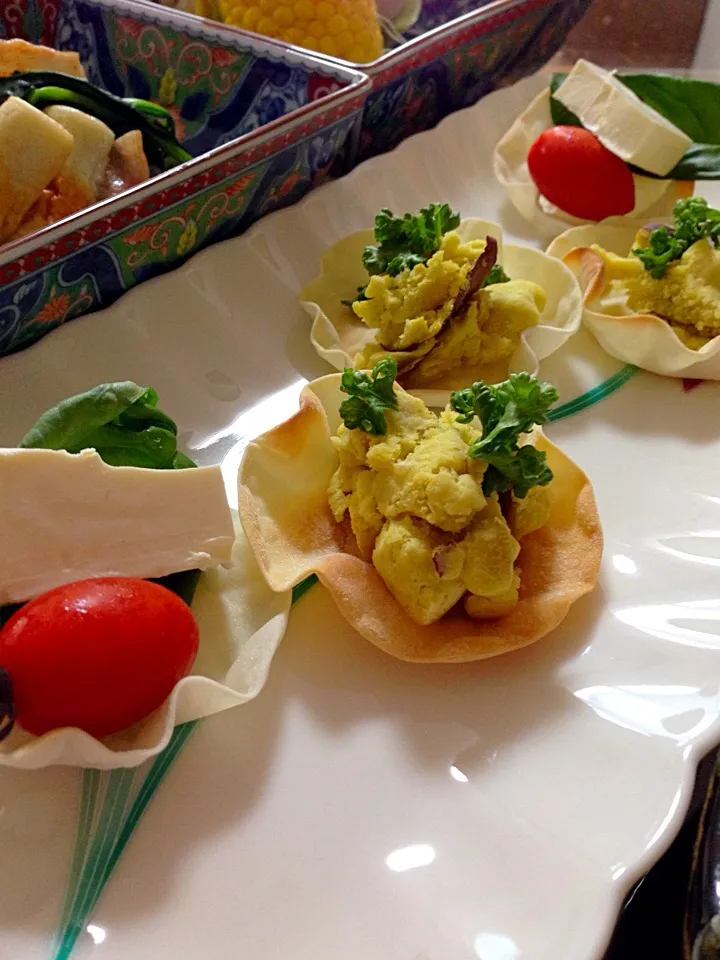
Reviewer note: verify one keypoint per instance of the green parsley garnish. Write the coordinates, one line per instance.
(496, 275)
(694, 220)
(507, 410)
(404, 242)
(368, 396)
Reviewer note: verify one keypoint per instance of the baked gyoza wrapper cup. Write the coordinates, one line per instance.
(338, 335)
(643, 339)
(653, 197)
(283, 496)
(241, 623)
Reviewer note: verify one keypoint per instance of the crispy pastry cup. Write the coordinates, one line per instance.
(338, 335)
(283, 482)
(643, 339)
(653, 197)
(241, 625)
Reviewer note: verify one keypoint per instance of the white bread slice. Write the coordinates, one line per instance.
(33, 150)
(24, 56)
(86, 165)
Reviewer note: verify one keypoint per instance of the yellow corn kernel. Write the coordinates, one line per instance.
(283, 17)
(251, 18)
(293, 35)
(343, 28)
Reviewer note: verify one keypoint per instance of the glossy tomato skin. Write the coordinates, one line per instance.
(573, 170)
(96, 654)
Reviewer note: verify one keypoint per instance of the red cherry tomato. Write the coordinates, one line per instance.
(573, 170)
(97, 654)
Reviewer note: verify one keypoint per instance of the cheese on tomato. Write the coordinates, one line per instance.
(620, 120)
(68, 517)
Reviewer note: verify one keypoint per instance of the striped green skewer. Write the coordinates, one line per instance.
(97, 851)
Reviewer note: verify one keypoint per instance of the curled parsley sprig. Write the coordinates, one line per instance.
(507, 410)
(404, 242)
(694, 220)
(369, 395)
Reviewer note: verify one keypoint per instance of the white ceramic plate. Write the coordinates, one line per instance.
(364, 808)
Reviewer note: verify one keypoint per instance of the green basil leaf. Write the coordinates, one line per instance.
(692, 105)
(119, 420)
(66, 425)
(184, 583)
(153, 447)
(700, 162)
(123, 423)
(561, 116)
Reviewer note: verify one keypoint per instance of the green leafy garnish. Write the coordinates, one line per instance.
(45, 88)
(561, 116)
(506, 411)
(404, 242)
(496, 275)
(368, 396)
(119, 420)
(694, 220)
(122, 423)
(693, 106)
(361, 295)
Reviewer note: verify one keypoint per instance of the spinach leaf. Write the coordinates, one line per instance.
(44, 88)
(119, 420)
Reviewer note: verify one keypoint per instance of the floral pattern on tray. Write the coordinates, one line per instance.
(218, 89)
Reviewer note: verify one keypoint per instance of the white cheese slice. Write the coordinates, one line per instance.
(93, 141)
(66, 517)
(620, 120)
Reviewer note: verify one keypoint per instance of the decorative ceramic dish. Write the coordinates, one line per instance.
(439, 56)
(264, 124)
(391, 790)
(457, 52)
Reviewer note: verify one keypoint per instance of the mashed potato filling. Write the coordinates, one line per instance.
(416, 507)
(413, 312)
(687, 296)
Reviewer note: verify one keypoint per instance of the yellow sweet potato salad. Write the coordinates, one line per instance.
(436, 302)
(671, 271)
(442, 537)
(419, 513)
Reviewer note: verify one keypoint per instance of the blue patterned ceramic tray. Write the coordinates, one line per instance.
(265, 125)
(458, 51)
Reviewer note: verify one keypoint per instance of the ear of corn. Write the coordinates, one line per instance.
(348, 29)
